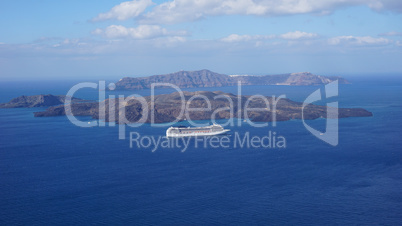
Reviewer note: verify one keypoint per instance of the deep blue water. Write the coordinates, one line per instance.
(53, 172)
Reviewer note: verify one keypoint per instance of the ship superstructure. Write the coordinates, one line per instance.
(182, 131)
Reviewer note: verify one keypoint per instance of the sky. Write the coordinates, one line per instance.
(111, 39)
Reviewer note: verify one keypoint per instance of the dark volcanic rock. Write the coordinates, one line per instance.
(206, 78)
(35, 101)
(167, 108)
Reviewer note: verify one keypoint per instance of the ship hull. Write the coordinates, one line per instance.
(198, 134)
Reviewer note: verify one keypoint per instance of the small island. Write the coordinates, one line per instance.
(167, 108)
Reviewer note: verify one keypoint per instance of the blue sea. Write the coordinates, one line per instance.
(53, 172)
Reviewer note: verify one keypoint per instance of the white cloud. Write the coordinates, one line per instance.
(140, 32)
(391, 33)
(358, 40)
(298, 35)
(177, 11)
(125, 10)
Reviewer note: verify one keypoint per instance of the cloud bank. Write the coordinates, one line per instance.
(391, 33)
(178, 11)
(293, 35)
(356, 40)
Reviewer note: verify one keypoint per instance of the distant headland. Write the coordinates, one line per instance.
(207, 78)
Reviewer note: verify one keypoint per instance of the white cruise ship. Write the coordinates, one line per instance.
(182, 131)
